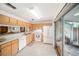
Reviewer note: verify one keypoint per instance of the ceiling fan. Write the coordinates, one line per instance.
(10, 5)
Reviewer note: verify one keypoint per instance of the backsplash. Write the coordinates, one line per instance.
(13, 29)
(3, 29)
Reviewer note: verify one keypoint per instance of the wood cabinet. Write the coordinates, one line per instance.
(13, 21)
(24, 24)
(14, 47)
(6, 49)
(9, 48)
(30, 38)
(4, 19)
(20, 23)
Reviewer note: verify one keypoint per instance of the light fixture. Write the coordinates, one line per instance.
(77, 14)
(35, 11)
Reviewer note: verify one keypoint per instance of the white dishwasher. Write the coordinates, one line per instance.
(22, 42)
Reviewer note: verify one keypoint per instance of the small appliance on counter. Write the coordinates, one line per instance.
(3, 29)
(14, 29)
(22, 29)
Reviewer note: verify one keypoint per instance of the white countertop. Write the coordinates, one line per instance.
(11, 37)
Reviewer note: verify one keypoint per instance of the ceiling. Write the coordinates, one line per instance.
(46, 11)
(71, 15)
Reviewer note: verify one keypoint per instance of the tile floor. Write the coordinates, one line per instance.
(37, 49)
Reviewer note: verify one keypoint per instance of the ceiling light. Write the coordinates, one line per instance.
(77, 14)
(35, 11)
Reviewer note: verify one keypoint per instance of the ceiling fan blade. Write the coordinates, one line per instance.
(10, 5)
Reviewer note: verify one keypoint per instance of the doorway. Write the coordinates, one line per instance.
(71, 32)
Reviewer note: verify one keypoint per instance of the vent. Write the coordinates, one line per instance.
(10, 5)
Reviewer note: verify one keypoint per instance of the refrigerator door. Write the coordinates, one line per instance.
(47, 34)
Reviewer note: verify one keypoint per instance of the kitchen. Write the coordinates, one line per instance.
(13, 35)
(17, 34)
(27, 28)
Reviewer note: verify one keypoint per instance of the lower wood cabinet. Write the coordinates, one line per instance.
(9, 48)
(30, 38)
(14, 47)
(6, 49)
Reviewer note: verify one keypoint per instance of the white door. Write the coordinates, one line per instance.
(47, 34)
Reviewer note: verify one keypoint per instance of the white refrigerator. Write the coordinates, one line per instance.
(48, 34)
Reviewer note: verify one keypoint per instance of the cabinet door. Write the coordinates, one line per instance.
(4, 52)
(20, 23)
(13, 21)
(23, 24)
(14, 47)
(6, 49)
(28, 39)
(4, 19)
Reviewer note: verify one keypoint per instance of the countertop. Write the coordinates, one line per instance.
(11, 37)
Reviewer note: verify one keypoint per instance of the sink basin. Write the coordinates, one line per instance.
(2, 39)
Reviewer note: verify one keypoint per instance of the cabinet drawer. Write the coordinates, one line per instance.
(6, 44)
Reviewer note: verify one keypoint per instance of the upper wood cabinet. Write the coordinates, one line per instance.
(27, 24)
(4, 19)
(13, 21)
(24, 24)
(20, 23)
